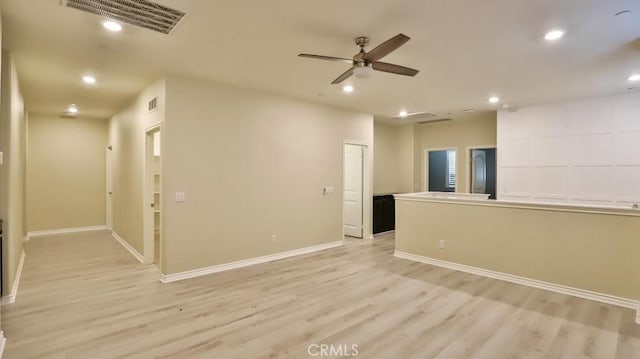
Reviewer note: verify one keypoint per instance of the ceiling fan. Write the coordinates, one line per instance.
(364, 63)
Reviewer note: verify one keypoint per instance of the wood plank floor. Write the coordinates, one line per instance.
(83, 296)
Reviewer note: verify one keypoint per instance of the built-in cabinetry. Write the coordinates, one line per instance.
(384, 213)
(156, 217)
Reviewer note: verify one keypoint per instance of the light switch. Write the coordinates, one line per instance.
(328, 190)
(180, 196)
(1, 158)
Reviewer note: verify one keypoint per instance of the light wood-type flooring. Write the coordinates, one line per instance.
(84, 296)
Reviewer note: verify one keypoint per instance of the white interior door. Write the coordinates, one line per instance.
(109, 188)
(353, 183)
(478, 171)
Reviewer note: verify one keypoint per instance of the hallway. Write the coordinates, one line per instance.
(83, 296)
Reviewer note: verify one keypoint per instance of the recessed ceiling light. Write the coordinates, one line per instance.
(494, 99)
(347, 88)
(634, 78)
(89, 79)
(403, 113)
(553, 35)
(72, 108)
(112, 26)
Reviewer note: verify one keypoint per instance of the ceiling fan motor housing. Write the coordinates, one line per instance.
(362, 41)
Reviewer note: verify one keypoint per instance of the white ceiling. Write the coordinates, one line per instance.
(466, 50)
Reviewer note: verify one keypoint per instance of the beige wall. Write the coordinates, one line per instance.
(471, 130)
(126, 136)
(13, 130)
(251, 165)
(393, 158)
(596, 252)
(65, 172)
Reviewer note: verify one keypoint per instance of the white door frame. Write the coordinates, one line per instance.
(147, 196)
(425, 166)
(109, 186)
(470, 158)
(367, 188)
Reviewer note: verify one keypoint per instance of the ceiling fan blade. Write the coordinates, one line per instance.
(386, 47)
(394, 69)
(330, 58)
(343, 77)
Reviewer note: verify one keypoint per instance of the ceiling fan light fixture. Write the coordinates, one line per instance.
(363, 72)
(347, 89)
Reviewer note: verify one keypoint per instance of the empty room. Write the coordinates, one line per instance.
(293, 179)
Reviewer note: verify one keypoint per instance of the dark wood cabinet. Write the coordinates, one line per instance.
(384, 214)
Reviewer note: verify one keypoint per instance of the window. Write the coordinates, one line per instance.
(451, 169)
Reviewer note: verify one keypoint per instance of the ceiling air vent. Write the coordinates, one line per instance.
(141, 13)
(153, 104)
(435, 121)
(416, 115)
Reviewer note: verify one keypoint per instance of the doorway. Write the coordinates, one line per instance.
(152, 205)
(109, 187)
(483, 171)
(353, 192)
(441, 170)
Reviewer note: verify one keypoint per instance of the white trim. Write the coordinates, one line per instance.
(127, 246)
(534, 206)
(3, 341)
(48, 232)
(385, 232)
(11, 298)
(558, 288)
(168, 278)
(638, 314)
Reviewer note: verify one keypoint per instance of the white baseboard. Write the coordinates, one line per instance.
(128, 247)
(246, 262)
(11, 298)
(576, 292)
(48, 232)
(382, 233)
(3, 341)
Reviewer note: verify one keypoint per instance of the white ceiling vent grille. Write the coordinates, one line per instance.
(435, 121)
(416, 115)
(141, 13)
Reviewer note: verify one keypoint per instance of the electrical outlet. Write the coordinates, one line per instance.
(274, 238)
(442, 244)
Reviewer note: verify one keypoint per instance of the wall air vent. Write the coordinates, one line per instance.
(153, 104)
(140, 13)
